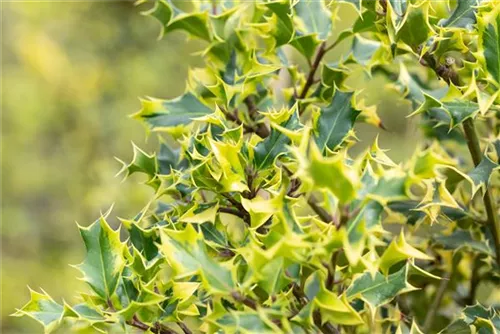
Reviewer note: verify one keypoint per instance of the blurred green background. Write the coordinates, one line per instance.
(72, 72)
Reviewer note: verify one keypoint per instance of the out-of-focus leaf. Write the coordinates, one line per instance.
(415, 16)
(283, 30)
(314, 17)
(171, 18)
(490, 41)
(464, 239)
(464, 14)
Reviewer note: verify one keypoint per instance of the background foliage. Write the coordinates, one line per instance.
(71, 74)
(71, 82)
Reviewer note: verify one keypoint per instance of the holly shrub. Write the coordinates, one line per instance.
(263, 220)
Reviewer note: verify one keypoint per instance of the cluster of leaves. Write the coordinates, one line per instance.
(264, 221)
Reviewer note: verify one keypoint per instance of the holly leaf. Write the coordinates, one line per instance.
(247, 322)
(379, 290)
(484, 320)
(104, 262)
(305, 44)
(171, 18)
(398, 251)
(480, 175)
(141, 163)
(274, 145)
(335, 121)
(463, 239)
(187, 254)
(457, 107)
(489, 40)
(314, 17)
(367, 218)
(332, 174)
(43, 309)
(283, 29)
(416, 16)
(464, 14)
(160, 114)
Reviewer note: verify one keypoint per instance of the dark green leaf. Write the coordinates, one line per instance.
(464, 14)
(490, 39)
(104, 261)
(379, 290)
(335, 121)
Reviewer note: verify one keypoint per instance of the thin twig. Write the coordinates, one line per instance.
(321, 212)
(261, 128)
(245, 300)
(474, 282)
(330, 279)
(433, 309)
(312, 71)
(135, 322)
(489, 202)
(158, 329)
(232, 211)
(184, 328)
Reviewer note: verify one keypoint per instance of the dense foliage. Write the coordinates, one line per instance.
(264, 221)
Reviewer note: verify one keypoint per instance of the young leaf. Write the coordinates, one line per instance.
(43, 309)
(332, 174)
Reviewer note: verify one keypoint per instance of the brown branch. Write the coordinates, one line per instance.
(320, 211)
(232, 211)
(135, 322)
(158, 329)
(261, 129)
(325, 328)
(330, 279)
(312, 71)
(312, 201)
(184, 328)
(245, 300)
(450, 76)
(442, 71)
(234, 118)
